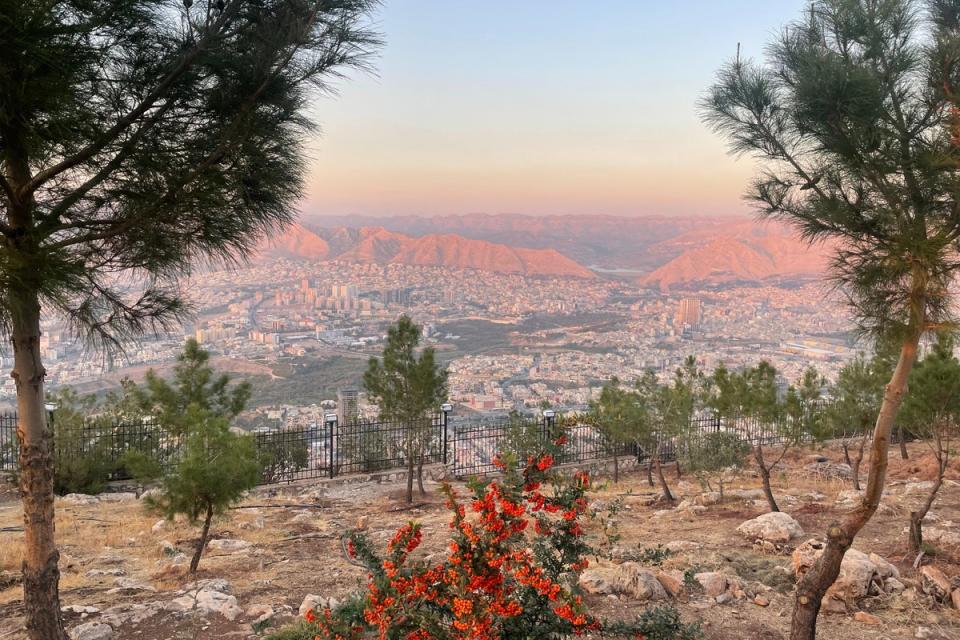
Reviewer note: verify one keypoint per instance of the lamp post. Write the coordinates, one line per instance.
(445, 409)
(549, 419)
(330, 420)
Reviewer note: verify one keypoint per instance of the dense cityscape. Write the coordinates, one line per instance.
(302, 331)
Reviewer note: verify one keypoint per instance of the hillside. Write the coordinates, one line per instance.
(738, 252)
(380, 246)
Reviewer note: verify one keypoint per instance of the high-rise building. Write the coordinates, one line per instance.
(690, 313)
(348, 405)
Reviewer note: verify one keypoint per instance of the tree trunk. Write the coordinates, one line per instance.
(41, 575)
(616, 470)
(815, 582)
(423, 491)
(765, 478)
(916, 517)
(650, 471)
(204, 534)
(410, 471)
(663, 481)
(846, 454)
(855, 465)
(903, 444)
(679, 474)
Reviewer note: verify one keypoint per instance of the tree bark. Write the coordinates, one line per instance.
(815, 582)
(650, 472)
(904, 455)
(846, 454)
(765, 478)
(41, 575)
(664, 487)
(616, 470)
(916, 517)
(679, 474)
(204, 534)
(423, 491)
(855, 465)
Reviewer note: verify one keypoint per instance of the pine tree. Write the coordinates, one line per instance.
(854, 117)
(139, 137)
(409, 389)
(620, 417)
(216, 466)
(932, 411)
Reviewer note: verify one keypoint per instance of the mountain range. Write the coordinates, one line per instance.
(665, 252)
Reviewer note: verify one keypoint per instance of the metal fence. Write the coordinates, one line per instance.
(329, 450)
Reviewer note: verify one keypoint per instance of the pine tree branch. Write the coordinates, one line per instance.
(126, 121)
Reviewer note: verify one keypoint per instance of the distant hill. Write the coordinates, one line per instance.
(381, 246)
(745, 251)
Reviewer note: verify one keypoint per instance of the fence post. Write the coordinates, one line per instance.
(445, 410)
(330, 420)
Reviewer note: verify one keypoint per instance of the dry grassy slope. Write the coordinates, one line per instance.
(295, 552)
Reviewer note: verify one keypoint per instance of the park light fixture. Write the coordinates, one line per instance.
(549, 414)
(330, 418)
(446, 407)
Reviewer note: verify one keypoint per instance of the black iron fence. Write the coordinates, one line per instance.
(329, 450)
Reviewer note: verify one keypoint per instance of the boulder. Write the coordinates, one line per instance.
(628, 578)
(92, 631)
(210, 601)
(829, 470)
(311, 602)
(79, 498)
(672, 581)
(117, 497)
(866, 618)
(934, 583)
(942, 537)
(158, 526)
(228, 544)
(858, 574)
(708, 499)
(680, 546)
(955, 598)
(714, 583)
(885, 569)
(772, 527)
(747, 494)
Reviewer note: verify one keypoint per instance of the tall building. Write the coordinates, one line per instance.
(690, 313)
(348, 405)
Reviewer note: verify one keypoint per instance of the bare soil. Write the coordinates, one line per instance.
(295, 550)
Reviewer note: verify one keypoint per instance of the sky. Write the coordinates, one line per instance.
(538, 107)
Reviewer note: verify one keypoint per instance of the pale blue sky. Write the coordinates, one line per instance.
(538, 107)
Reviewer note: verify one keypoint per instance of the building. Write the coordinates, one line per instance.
(690, 313)
(348, 405)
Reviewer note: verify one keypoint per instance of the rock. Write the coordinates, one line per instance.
(760, 601)
(866, 618)
(92, 631)
(708, 499)
(117, 497)
(258, 611)
(311, 602)
(167, 548)
(885, 569)
(79, 498)
(816, 457)
(158, 526)
(724, 598)
(934, 583)
(918, 487)
(955, 598)
(679, 546)
(849, 497)
(892, 585)
(212, 601)
(672, 581)
(747, 494)
(628, 578)
(131, 584)
(926, 633)
(829, 470)
(80, 609)
(302, 517)
(857, 572)
(772, 527)
(713, 582)
(942, 537)
(362, 522)
(228, 544)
